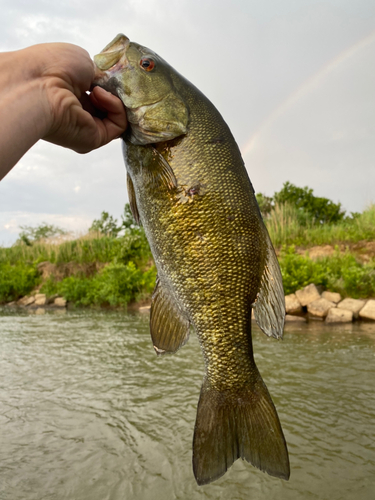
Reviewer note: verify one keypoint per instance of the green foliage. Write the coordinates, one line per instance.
(285, 228)
(265, 203)
(16, 280)
(338, 273)
(106, 225)
(30, 235)
(116, 285)
(320, 210)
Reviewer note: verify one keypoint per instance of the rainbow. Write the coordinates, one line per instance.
(306, 86)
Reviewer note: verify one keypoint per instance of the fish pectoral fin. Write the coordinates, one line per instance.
(132, 199)
(241, 425)
(269, 307)
(168, 324)
(157, 170)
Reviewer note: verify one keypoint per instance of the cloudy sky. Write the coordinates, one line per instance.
(294, 79)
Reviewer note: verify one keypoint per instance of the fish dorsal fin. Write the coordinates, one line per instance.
(132, 199)
(269, 307)
(168, 324)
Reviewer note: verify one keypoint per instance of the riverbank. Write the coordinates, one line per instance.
(98, 270)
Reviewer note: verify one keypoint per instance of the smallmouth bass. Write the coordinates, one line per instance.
(189, 188)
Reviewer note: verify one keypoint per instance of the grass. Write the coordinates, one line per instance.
(128, 273)
(288, 226)
(340, 272)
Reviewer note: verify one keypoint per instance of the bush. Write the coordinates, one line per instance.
(339, 273)
(115, 285)
(320, 210)
(16, 280)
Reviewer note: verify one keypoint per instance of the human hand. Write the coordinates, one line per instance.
(72, 121)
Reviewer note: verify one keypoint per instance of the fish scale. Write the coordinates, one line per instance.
(189, 188)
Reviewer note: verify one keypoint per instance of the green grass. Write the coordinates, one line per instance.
(340, 272)
(289, 226)
(92, 247)
(127, 275)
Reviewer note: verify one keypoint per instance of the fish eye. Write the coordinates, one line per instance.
(147, 64)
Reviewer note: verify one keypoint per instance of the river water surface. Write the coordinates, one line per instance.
(88, 412)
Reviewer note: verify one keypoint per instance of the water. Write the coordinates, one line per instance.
(87, 411)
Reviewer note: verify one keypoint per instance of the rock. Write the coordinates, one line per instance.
(40, 310)
(336, 315)
(292, 304)
(60, 302)
(333, 297)
(294, 319)
(61, 310)
(11, 304)
(307, 294)
(26, 301)
(320, 307)
(144, 309)
(40, 299)
(354, 305)
(368, 311)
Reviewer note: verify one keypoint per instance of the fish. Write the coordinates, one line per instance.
(189, 188)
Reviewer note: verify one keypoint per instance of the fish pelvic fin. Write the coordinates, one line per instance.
(244, 425)
(169, 325)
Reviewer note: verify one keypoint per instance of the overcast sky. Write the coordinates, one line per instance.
(294, 79)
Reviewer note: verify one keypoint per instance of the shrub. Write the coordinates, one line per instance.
(16, 280)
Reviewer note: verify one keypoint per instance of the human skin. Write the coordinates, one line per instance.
(43, 95)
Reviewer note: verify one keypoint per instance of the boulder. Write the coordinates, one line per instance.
(146, 309)
(60, 302)
(40, 310)
(292, 304)
(333, 297)
(320, 307)
(294, 319)
(26, 301)
(40, 299)
(336, 315)
(307, 294)
(354, 305)
(368, 311)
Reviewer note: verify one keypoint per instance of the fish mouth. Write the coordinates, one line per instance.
(110, 60)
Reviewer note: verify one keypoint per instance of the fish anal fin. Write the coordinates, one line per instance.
(169, 326)
(244, 425)
(132, 199)
(269, 307)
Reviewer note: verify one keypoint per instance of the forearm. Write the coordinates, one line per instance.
(24, 109)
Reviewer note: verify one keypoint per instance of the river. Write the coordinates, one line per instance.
(88, 412)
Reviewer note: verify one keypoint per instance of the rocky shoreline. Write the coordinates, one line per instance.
(307, 304)
(39, 302)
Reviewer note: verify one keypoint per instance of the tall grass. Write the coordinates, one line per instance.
(92, 247)
(288, 226)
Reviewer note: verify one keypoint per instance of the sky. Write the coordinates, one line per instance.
(294, 80)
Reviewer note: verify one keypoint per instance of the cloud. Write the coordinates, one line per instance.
(247, 57)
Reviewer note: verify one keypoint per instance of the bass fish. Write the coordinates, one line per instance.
(189, 188)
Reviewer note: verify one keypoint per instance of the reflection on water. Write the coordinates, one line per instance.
(87, 411)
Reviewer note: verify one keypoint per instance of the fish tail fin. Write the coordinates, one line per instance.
(242, 426)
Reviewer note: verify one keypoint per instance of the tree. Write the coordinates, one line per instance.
(106, 225)
(30, 235)
(265, 204)
(321, 210)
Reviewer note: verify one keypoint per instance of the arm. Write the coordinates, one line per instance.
(43, 96)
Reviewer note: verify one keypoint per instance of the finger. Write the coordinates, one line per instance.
(115, 122)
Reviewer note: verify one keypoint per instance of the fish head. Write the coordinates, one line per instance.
(143, 81)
